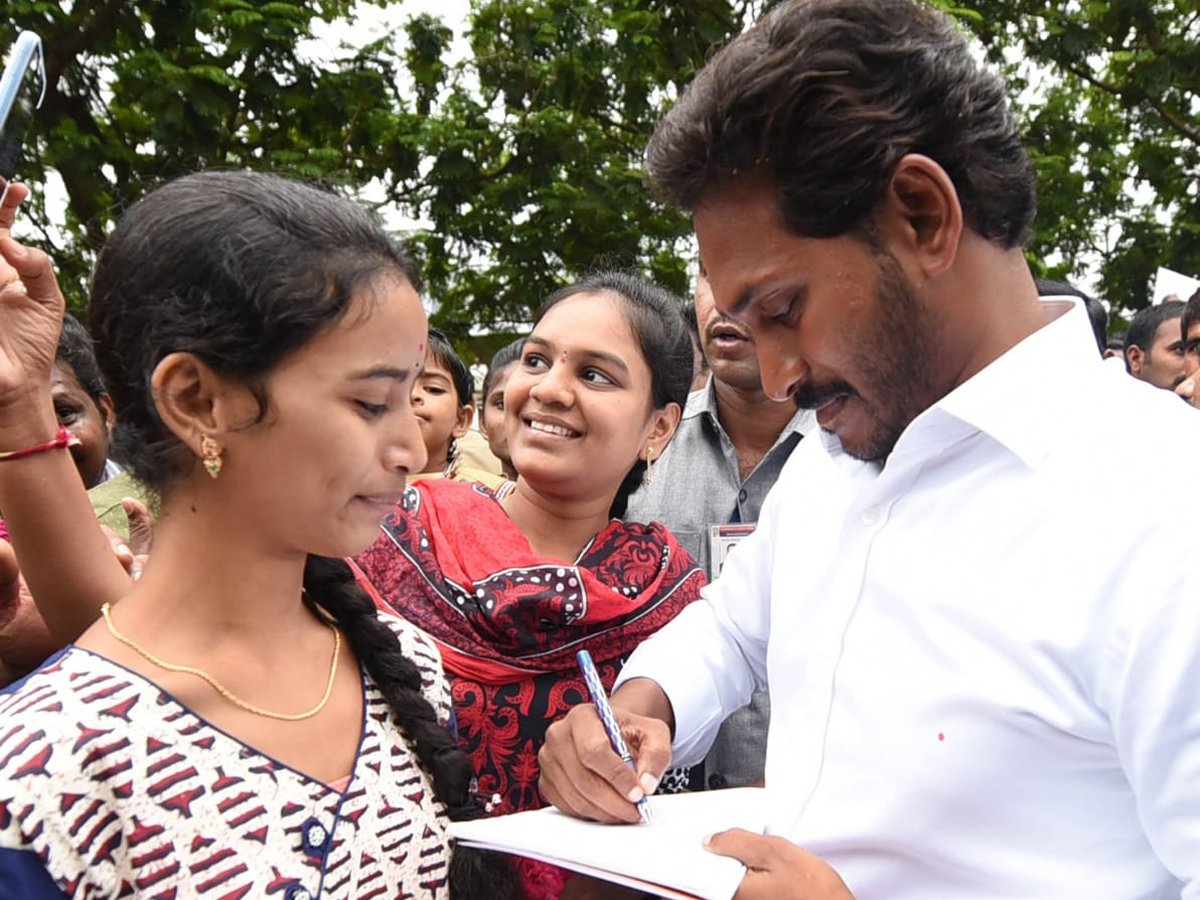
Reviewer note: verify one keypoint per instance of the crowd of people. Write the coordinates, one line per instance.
(282, 594)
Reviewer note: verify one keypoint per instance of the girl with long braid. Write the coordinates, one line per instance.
(243, 722)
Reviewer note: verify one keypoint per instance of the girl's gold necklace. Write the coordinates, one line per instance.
(220, 688)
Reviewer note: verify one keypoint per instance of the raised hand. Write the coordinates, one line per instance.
(31, 308)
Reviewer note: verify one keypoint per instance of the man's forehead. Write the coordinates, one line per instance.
(1169, 329)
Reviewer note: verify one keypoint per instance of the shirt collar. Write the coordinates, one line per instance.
(704, 401)
(1023, 399)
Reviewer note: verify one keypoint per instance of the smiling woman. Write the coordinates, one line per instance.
(510, 584)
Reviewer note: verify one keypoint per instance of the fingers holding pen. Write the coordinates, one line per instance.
(581, 773)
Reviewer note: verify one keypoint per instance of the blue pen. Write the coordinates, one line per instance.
(596, 691)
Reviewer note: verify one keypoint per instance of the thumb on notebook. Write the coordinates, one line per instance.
(777, 869)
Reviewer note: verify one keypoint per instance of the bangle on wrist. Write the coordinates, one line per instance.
(62, 440)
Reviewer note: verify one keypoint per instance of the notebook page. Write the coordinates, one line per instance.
(665, 853)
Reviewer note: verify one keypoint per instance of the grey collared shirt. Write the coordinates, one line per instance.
(696, 485)
(696, 482)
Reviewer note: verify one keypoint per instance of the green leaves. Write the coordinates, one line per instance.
(1113, 128)
(535, 150)
(522, 162)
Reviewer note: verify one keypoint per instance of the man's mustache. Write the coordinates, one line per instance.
(814, 396)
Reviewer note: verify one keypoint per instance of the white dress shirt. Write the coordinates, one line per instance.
(984, 656)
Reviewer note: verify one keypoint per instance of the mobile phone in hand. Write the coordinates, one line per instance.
(21, 90)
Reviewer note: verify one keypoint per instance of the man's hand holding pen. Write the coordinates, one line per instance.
(582, 775)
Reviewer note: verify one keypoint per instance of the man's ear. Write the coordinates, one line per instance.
(193, 400)
(466, 415)
(921, 214)
(1135, 358)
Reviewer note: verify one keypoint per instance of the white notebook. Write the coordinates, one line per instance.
(664, 857)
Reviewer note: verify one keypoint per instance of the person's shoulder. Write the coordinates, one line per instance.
(629, 534)
(416, 644)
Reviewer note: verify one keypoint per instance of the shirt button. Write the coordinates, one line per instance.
(742, 495)
(870, 515)
(716, 781)
(313, 837)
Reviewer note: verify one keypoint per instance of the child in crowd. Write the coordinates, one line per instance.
(491, 410)
(443, 401)
(243, 717)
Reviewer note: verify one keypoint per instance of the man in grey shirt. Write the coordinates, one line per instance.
(709, 485)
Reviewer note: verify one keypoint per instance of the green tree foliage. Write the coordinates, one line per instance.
(522, 160)
(533, 156)
(1109, 95)
(140, 91)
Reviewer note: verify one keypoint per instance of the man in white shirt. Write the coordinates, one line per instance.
(984, 684)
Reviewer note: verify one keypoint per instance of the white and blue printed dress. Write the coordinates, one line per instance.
(109, 787)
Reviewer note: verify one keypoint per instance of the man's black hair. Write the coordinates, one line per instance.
(443, 352)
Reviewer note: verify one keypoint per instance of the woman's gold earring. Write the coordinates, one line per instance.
(649, 464)
(210, 450)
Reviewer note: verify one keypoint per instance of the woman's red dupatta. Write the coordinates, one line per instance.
(451, 562)
(508, 623)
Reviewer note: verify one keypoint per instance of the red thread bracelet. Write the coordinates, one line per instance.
(62, 440)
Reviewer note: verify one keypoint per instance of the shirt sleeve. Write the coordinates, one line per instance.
(1151, 696)
(712, 656)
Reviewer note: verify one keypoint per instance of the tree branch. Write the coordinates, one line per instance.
(62, 52)
(1138, 96)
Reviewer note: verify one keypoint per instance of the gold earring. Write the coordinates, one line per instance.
(210, 450)
(649, 464)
